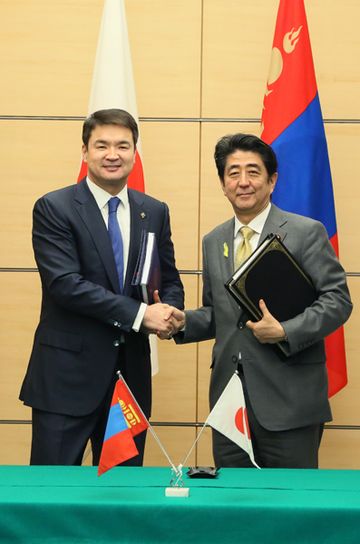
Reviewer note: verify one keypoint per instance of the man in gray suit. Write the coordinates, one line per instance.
(287, 399)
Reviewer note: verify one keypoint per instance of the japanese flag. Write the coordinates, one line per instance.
(229, 416)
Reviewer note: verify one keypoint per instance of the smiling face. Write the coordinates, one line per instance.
(247, 184)
(110, 156)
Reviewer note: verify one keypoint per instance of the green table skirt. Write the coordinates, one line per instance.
(73, 505)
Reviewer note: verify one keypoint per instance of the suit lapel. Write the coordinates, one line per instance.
(225, 249)
(91, 216)
(276, 223)
(225, 252)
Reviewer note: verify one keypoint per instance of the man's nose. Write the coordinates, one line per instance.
(243, 178)
(112, 153)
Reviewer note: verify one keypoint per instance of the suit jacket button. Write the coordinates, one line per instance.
(116, 343)
(234, 359)
(241, 325)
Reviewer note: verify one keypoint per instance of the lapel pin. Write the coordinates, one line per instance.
(142, 215)
(226, 250)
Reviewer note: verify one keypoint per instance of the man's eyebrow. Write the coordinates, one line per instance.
(120, 142)
(234, 167)
(253, 165)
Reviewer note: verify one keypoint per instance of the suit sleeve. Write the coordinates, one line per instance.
(333, 305)
(61, 267)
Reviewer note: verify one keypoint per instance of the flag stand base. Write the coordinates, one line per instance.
(177, 492)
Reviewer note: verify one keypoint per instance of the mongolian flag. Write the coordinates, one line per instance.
(229, 416)
(113, 87)
(125, 421)
(292, 124)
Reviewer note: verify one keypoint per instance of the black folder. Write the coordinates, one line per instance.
(273, 274)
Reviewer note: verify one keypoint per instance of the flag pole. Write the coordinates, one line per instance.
(176, 470)
(189, 453)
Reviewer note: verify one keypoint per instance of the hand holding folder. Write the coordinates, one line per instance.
(271, 273)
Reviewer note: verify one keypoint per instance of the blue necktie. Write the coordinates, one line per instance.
(116, 238)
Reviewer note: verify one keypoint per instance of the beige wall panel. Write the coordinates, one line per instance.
(36, 157)
(343, 142)
(204, 456)
(335, 40)
(346, 404)
(20, 306)
(15, 444)
(236, 61)
(48, 52)
(214, 206)
(177, 442)
(204, 362)
(171, 164)
(174, 387)
(237, 38)
(166, 47)
(340, 449)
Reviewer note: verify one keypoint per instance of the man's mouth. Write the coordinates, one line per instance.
(111, 166)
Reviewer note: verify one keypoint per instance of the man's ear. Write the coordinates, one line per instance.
(84, 152)
(272, 180)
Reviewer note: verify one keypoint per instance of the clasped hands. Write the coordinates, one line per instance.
(162, 319)
(165, 321)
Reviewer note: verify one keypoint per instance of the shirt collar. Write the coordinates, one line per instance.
(256, 224)
(102, 197)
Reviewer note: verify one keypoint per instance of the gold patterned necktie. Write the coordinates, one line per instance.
(244, 249)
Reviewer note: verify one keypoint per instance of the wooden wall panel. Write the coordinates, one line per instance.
(48, 51)
(343, 142)
(36, 157)
(20, 306)
(335, 41)
(166, 53)
(171, 164)
(236, 61)
(340, 449)
(15, 444)
(204, 455)
(177, 442)
(174, 387)
(346, 404)
(236, 58)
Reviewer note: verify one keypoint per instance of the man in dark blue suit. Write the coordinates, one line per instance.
(92, 321)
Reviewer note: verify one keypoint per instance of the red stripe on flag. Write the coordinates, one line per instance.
(136, 178)
(291, 82)
(131, 410)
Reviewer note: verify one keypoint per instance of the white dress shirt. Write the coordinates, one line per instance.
(256, 224)
(123, 216)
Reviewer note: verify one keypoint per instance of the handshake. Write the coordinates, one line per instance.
(162, 319)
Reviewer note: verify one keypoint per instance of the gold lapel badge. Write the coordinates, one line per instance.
(226, 250)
